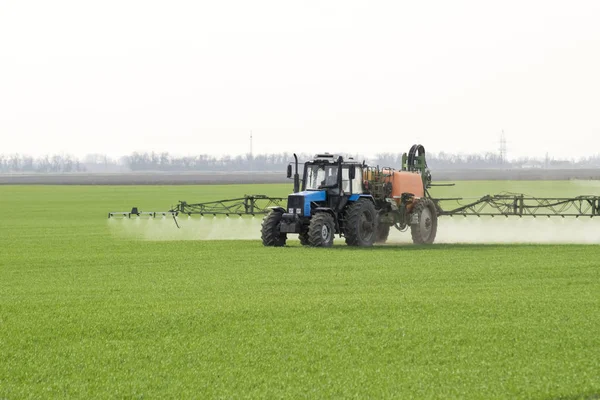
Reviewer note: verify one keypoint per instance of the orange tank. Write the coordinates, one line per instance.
(405, 182)
(402, 182)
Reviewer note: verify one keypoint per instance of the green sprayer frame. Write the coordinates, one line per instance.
(521, 206)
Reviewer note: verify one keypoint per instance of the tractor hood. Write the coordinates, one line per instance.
(303, 199)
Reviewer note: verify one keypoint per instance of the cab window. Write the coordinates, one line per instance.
(320, 174)
(356, 182)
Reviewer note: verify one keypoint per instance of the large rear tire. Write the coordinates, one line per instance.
(383, 231)
(360, 227)
(321, 230)
(424, 231)
(271, 230)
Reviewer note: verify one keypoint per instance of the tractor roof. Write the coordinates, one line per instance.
(332, 158)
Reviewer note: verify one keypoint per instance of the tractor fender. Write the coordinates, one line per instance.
(324, 209)
(277, 208)
(357, 196)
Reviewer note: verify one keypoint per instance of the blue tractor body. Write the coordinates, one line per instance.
(302, 206)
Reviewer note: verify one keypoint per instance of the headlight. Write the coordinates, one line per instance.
(298, 211)
(291, 210)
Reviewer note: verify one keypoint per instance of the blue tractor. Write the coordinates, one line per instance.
(345, 197)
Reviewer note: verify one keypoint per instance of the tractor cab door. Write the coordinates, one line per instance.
(352, 186)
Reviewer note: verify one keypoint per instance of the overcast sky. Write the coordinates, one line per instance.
(359, 77)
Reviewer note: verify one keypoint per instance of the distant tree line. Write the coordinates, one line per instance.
(138, 161)
(46, 164)
(166, 162)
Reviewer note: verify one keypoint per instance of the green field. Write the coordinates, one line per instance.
(87, 313)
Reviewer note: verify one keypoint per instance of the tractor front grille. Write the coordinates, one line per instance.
(295, 204)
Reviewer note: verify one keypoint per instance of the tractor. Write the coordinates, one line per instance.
(351, 199)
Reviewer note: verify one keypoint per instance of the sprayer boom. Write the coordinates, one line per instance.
(520, 205)
(247, 205)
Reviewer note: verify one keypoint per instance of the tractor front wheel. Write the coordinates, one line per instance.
(321, 230)
(424, 229)
(360, 227)
(270, 233)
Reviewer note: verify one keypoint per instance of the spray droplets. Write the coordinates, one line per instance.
(450, 230)
(512, 230)
(192, 228)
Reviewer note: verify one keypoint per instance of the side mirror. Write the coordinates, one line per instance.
(289, 170)
(352, 172)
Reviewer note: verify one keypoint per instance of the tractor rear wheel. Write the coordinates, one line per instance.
(270, 232)
(303, 236)
(383, 231)
(321, 230)
(425, 228)
(360, 227)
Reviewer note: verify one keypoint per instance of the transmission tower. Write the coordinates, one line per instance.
(502, 148)
(250, 144)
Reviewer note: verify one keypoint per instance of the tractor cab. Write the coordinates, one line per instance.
(332, 174)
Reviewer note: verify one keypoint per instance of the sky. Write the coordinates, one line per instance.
(366, 77)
